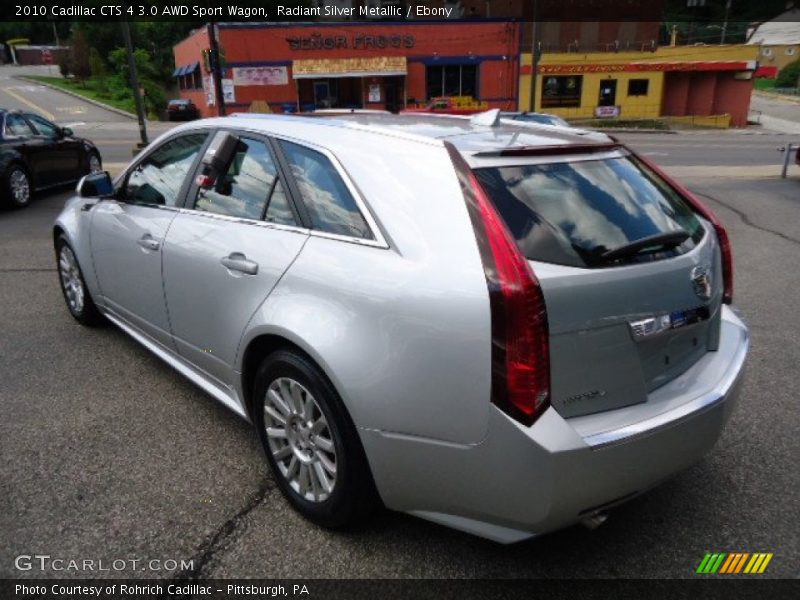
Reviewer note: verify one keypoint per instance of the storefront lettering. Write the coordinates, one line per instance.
(359, 41)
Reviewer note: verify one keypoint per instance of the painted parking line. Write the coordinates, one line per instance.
(45, 113)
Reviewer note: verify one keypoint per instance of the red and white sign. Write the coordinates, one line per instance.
(47, 57)
(607, 112)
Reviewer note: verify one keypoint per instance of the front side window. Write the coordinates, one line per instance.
(249, 188)
(572, 213)
(452, 80)
(45, 128)
(562, 91)
(330, 205)
(159, 177)
(17, 126)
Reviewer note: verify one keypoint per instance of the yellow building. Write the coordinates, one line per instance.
(698, 81)
(778, 41)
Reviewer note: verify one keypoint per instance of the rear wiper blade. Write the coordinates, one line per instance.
(667, 240)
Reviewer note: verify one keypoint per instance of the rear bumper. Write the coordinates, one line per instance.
(523, 481)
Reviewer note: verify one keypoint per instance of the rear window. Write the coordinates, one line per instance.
(574, 213)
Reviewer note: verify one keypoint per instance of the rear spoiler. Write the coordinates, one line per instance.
(551, 150)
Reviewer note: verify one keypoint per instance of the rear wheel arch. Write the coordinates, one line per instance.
(258, 349)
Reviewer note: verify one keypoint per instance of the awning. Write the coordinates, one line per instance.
(185, 70)
(374, 66)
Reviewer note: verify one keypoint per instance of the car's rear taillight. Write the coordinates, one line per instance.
(708, 215)
(520, 337)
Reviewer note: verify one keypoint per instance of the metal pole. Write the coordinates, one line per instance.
(787, 156)
(134, 81)
(534, 55)
(725, 23)
(216, 69)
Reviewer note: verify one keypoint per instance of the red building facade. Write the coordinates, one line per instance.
(382, 65)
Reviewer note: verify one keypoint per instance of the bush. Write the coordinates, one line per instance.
(63, 67)
(80, 57)
(789, 75)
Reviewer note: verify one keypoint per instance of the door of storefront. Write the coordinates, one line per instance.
(608, 93)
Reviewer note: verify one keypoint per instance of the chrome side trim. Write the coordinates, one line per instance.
(220, 394)
(680, 413)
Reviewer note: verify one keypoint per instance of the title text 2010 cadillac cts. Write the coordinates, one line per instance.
(502, 328)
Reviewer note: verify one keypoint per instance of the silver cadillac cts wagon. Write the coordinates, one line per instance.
(501, 327)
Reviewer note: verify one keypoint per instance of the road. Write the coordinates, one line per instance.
(109, 454)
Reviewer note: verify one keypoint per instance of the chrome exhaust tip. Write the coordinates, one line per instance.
(594, 521)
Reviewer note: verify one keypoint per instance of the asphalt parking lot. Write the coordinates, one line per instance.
(108, 454)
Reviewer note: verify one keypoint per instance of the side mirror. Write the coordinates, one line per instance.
(94, 185)
(66, 132)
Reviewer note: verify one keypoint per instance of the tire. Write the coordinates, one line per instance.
(17, 186)
(94, 162)
(351, 496)
(73, 286)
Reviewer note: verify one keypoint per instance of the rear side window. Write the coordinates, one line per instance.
(575, 212)
(330, 205)
(17, 126)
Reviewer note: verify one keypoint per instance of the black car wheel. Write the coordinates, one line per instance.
(311, 444)
(18, 188)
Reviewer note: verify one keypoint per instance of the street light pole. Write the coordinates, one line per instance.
(534, 54)
(725, 22)
(216, 68)
(134, 81)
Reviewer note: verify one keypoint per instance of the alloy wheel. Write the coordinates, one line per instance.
(20, 187)
(71, 280)
(300, 439)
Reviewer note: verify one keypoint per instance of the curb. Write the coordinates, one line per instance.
(628, 130)
(97, 103)
(774, 96)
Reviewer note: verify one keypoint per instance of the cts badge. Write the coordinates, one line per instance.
(702, 281)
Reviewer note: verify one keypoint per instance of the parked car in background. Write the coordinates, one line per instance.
(535, 117)
(182, 109)
(500, 328)
(36, 154)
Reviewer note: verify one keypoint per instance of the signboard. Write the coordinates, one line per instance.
(358, 41)
(260, 76)
(47, 57)
(228, 91)
(208, 88)
(607, 112)
(638, 67)
(374, 92)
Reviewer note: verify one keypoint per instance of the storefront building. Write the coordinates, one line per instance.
(692, 82)
(385, 65)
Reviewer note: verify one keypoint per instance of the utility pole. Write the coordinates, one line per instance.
(134, 81)
(725, 22)
(534, 54)
(216, 68)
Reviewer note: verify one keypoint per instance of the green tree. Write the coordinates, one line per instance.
(96, 64)
(63, 66)
(81, 67)
(789, 76)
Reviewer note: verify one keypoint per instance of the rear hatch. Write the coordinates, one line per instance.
(630, 274)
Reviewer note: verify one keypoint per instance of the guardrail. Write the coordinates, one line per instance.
(788, 150)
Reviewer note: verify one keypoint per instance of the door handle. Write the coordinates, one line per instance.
(148, 242)
(236, 261)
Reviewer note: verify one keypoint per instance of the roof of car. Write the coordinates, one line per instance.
(462, 132)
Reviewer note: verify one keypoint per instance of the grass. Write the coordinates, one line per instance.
(98, 89)
(764, 84)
